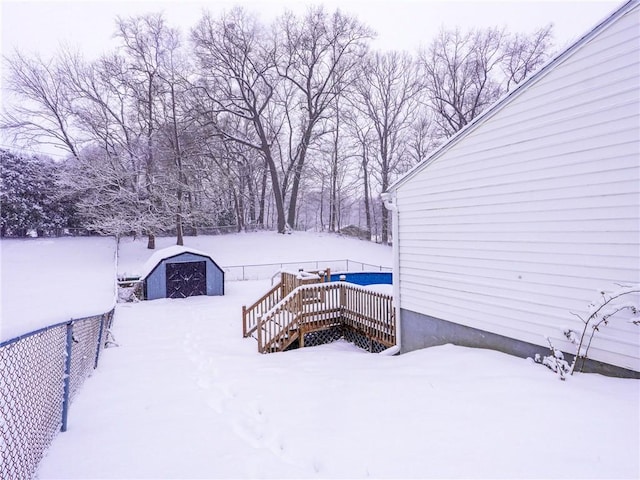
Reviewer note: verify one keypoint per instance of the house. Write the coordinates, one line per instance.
(179, 272)
(519, 220)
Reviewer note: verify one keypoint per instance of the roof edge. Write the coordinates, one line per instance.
(502, 101)
(148, 268)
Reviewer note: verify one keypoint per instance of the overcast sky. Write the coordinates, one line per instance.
(42, 26)
(401, 24)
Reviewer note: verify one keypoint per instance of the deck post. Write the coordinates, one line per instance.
(300, 307)
(244, 321)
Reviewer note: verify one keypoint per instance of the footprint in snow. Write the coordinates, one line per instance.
(247, 419)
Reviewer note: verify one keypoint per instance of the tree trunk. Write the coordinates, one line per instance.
(334, 176)
(263, 196)
(322, 206)
(151, 243)
(367, 207)
(238, 205)
(181, 177)
(179, 229)
(252, 198)
(297, 174)
(277, 194)
(333, 200)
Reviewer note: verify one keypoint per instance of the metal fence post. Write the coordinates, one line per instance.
(67, 377)
(95, 365)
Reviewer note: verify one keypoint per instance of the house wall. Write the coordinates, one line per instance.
(519, 224)
(156, 282)
(423, 331)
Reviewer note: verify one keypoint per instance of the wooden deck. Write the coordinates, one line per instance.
(303, 304)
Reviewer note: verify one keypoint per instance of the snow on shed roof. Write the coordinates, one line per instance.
(165, 253)
(506, 98)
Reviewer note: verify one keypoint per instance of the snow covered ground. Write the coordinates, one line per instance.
(44, 281)
(261, 248)
(47, 281)
(185, 396)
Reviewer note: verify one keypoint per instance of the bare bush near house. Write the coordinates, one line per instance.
(599, 314)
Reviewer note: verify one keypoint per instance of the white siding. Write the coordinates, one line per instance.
(523, 219)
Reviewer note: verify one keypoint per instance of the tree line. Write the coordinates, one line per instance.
(298, 123)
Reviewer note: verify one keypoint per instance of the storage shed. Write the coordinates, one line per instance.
(510, 229)
(180, 272)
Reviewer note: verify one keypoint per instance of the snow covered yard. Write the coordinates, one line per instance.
(44, 281)
(185, 396)
(260, 248)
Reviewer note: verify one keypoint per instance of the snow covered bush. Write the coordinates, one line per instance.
(554, 362)
(30, 198)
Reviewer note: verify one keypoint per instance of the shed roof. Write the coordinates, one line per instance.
(507, 98)
(167, 253)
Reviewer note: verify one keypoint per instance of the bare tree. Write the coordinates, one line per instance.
(525, 53)
(388, 97)
(458, 68)
(361, 132)
(102, 108)
(145, 43)
(130, 104)
(238, 79)
(175, 119)
(268, 123)
(421, 138)
(317, 56)
(43, 112)
(466, 72)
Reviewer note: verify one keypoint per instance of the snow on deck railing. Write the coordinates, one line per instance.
(41, 373)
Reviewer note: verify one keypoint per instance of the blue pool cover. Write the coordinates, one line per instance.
(364, 278)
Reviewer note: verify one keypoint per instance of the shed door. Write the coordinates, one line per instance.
(186, 279)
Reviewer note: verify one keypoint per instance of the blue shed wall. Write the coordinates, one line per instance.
(156, 282)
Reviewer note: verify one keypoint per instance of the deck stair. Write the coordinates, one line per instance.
(289, 281)
(303, 303)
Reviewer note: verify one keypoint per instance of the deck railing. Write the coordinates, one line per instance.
(320, 306)
(252, 313)
(292, 280)
(370, 313)
(289, 281)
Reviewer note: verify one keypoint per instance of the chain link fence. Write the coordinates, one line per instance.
(267, 270)
(40, 374)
